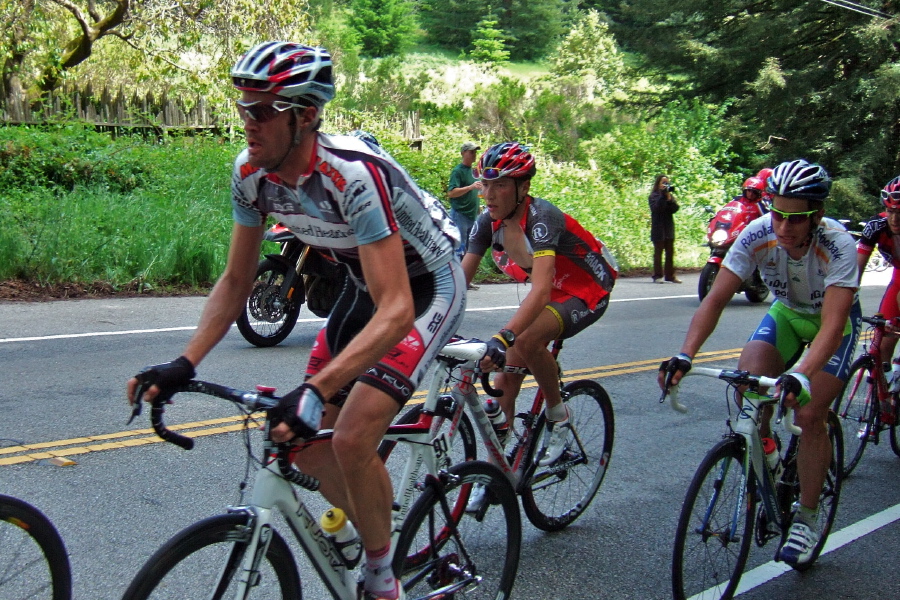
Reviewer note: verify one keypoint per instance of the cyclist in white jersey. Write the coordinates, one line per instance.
(809, 264)
(343, 195)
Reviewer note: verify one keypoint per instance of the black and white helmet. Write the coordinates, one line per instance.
(287, 69)
(799, 179)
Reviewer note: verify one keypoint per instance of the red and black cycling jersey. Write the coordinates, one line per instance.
(877, 234)
(585, 268)
(353, 194)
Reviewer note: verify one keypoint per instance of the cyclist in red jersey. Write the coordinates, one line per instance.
(571, 274)
(883, 233)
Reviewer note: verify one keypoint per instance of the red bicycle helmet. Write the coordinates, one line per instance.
(890, 195)
(507, 159)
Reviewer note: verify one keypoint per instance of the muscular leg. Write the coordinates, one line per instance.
(531, 350)
(762, 358)
(360, 426)
(814, 453)
(319, 461)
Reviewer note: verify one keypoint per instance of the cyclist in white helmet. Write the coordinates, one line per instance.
(809, 263)
(347, 196)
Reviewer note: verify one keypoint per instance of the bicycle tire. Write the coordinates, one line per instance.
(482, 561)
(267, 318)
(555, 495)
(464, 443)
(856, 407)
(895, 440)
(203, 560)
(831, 490)
(707, 560)
(33, 558)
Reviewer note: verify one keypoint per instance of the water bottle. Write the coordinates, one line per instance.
(343, 535)
(773, 459)
(498, 419)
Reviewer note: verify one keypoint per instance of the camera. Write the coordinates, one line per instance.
(669, 187)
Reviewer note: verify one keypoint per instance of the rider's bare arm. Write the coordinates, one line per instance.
(229, 295)
(393, 319)
(706, 318)
(538, 296)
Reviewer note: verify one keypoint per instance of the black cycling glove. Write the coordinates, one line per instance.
(496, 351)
(301, 409)
(168, 374)
(681, 362)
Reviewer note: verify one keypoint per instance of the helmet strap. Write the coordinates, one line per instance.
(519, 201)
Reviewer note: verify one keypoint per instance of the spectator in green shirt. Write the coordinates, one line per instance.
(463, 192)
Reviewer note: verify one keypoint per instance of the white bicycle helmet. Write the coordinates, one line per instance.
(799, 179)
(286, 69)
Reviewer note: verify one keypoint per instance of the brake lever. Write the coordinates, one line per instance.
(138, 402)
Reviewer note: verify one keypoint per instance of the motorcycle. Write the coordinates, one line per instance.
(723, 229)
(283, 283)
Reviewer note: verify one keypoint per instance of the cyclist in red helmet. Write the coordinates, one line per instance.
(571, 274)
(883, 233)
(752, 195)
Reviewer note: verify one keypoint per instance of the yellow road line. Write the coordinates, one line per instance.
(62, 449)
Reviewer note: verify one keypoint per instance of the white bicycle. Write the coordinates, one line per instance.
(439, 549)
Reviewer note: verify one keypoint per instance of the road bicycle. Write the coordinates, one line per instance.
(439, 549)
(735, 497)
(553, 496)
(861, 404)
(33, 558)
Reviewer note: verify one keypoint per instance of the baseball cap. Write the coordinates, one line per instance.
(470, 146)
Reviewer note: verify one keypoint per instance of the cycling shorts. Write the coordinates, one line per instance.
(889, 306)
(440, 300)
(573, 313)
(790, 332)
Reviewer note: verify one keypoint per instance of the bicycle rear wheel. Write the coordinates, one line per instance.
(831, 491)
(856, 407)
(715, 528)
(33, 558)
(895, 440)
(555, 495)
(475, 555)
(203, 561)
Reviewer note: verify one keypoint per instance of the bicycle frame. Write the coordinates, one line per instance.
(746, 425)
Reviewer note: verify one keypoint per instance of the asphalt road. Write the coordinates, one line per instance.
(63, 366)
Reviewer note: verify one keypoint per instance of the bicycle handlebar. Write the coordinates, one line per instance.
(735, 377)
(254, 401)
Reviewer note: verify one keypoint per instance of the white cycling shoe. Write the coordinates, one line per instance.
(477, 498)
(801, 541)
(560, 433)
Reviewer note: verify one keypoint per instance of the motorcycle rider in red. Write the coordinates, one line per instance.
(351, 199)
(883, 232)
(752, 195)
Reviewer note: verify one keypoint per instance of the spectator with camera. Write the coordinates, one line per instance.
(662, 229)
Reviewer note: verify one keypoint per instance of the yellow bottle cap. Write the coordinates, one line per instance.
(333, 520)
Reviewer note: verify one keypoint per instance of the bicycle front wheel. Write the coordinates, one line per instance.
(204, 560)
(895, 440)
(856, 408)
(555, 495)
(471, 555)
(715, 528)
(33, 559)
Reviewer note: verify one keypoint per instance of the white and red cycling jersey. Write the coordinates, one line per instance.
(353, 194)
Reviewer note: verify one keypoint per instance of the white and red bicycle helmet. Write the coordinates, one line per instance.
(287, 69)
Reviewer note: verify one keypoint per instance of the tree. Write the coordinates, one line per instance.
(531, 27)
(52, 37)
(590, 52)
(489, 45)
(810, 79)
(384, 26)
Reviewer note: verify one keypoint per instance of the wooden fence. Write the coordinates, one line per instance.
(157, 114)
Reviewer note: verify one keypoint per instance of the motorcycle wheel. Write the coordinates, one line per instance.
(707, 277)
(269, 317)
(757, 291)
